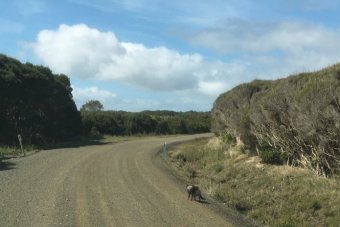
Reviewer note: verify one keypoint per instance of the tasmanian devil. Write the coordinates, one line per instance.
(194, 192)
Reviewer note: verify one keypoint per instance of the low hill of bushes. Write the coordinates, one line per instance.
(146, 122)
(295, 120)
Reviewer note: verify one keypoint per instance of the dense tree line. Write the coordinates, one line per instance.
(35, 103)
(146, 122)
(294, 120)
(39, 106)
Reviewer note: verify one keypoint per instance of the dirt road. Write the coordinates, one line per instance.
(107, 185)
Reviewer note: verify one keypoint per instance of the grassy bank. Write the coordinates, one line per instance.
(273, 195)
(12, 151)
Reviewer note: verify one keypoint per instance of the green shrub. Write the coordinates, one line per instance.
(180, 157)
(299, 115)
(271, 156)
(227, 138)
(220, 196)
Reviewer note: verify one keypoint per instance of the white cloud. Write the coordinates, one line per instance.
(243, 36)
(155, 68)
(211, 88)
(261, 51)
(180, 100)
(76, 50)
(88, 53)
(274, 49)
(82, 95)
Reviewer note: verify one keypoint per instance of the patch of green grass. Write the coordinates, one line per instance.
(6, 151)
(273, 195)
(217, 167)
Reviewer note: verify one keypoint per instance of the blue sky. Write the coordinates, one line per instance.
(178, 55)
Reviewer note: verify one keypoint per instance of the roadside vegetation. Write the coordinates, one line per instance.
(38, 105)
(276, 157)
(124, 123)
(295, 121)
(274, 195)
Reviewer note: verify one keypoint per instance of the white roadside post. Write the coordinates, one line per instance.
(20, 141)
(164, 153)
(164, 148)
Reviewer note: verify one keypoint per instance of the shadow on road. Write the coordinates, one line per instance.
(75, 144)
(5, 165)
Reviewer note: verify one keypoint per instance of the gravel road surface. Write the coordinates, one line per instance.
(119, 184)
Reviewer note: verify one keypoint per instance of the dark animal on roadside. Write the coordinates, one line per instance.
(194, 193)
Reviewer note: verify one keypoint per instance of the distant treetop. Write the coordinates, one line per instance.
(92, 105)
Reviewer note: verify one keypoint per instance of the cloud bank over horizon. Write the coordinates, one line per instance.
(266, 51)
(88, 53)
(178, 55)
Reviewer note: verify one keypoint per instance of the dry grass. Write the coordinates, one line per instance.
(273, 195)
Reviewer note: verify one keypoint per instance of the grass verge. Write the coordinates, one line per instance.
(11, 151)
(272, 195)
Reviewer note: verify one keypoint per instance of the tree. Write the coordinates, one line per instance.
(36, 104)
(91, 106)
